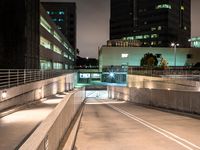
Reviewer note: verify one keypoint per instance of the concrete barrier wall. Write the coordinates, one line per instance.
(186, 101)
(51, 131)
(34, 91)
(162, 83)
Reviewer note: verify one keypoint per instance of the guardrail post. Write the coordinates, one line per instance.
(24, 76)
(17, 77)
(9, 78)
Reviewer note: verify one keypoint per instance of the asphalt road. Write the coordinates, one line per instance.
(118, 125)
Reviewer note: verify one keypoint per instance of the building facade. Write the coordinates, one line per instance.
(19, 34)
(131, 56)
(195, 42)
(64, 16)
(55, 50)
(156, 23)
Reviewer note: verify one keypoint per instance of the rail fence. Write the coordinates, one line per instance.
(188, 74)
(14, 77)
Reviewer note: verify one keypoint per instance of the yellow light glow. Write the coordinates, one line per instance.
(4, 94)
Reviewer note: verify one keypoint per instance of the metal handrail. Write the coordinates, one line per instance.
(167, 73)
(14, 77)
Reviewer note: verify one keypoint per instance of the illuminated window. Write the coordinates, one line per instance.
(164, 6)
(159, 28)
(154, 35)
(57, 49)
(57, 37)
(153, 29)
(66, 55)
(45, 43)
(57, 65)
(61, 12)
(60, 20)
(146, 36)
(45, 24)
(124, 55)
(66, 66)
(138, 37)
(153, 43)
(45, 65)
(54, 19)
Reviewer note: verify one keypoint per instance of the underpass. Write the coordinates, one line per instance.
(118, 125)
(106, 123)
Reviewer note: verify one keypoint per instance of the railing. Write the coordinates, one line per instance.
(182, 73)
(15, 77)
(115, 69)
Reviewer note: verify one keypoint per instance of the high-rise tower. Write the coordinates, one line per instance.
(155, 23)
(19, 34)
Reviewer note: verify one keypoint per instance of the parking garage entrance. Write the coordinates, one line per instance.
(98, 92)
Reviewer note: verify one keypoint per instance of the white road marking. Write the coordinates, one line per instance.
(169, 135)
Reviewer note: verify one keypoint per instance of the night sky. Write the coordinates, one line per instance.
(93, 24)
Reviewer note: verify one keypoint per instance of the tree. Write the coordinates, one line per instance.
(163, 63)
(149, 60)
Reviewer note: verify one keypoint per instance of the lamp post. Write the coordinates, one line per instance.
(174, 45)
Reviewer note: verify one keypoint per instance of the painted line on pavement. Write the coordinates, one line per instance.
(169, 135)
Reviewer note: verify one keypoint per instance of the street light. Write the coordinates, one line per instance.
(174, 45)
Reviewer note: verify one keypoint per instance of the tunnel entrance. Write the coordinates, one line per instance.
(99, 92)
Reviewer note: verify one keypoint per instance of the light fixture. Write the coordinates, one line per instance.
(4, 95)
(111, 74)
(137, 87)
(172, 44)
(40, 91)
(168, 89)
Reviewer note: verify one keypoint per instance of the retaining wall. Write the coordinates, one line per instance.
(52, 130)
(162, 83)
(186, 101)
(36, 90)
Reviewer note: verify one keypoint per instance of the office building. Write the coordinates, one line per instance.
(156, 23)
(195, 42)
(64, 16)
(131, 56)
(19, 34)
(30, 40)
(55, 50)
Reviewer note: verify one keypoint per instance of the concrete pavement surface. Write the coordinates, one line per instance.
(16, 127)
(119, 125)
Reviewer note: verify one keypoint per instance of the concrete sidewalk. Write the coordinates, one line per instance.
(16, 127)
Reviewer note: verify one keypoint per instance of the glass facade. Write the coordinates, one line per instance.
(57, 65)
(45, 65)
(157, 23)
(55, 42)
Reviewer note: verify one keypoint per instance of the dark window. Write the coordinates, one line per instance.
(189, 56)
